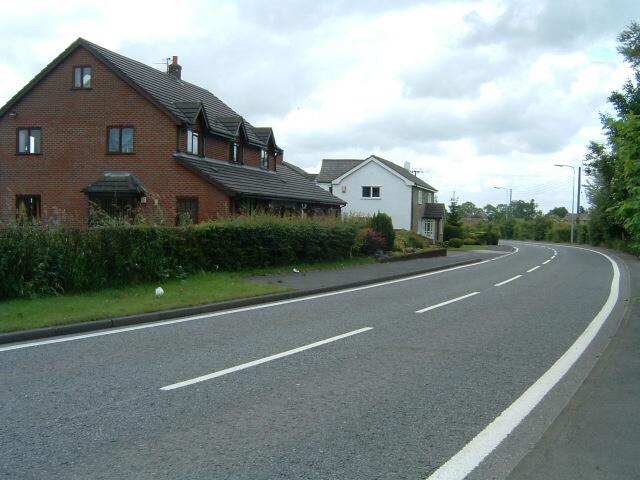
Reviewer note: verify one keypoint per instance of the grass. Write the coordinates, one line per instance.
(468, 247)
(197, 289)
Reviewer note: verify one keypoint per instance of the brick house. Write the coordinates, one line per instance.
(95, 126)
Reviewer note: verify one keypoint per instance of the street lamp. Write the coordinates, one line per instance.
(573, 194)
(508, 191)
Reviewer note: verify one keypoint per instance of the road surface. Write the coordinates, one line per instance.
(384, 381)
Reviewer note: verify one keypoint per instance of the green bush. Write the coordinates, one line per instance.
(452, 231)
(470, 241)
(381, 222)
(560, 233)
(407, 238)
(36, 260)
(455, 242)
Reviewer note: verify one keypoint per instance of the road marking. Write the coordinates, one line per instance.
(244, 366)
(533, 269)
(162, 323)
(546, 261)
(507, 281)
(446, 303)
(474, 452)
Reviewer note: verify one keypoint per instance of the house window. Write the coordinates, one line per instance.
(29, 140)
(193, 142)
(420, 197)
(428, 227)
(123, 207)
(370, 192)
(186, 211)
(235, 152)
(264, 159)
(120, 139)
(82, 76)
(430, 197)
(28, 207)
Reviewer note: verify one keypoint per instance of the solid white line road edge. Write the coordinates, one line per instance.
(507, 281)
(533, 269)
(422, 310)
(162, 323)
(474, 452)
(244, 366)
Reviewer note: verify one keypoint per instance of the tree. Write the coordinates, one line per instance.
(560, 212)
(522, 209)
(490, 211)
(469, 210)
(453, 224)
(614, 167)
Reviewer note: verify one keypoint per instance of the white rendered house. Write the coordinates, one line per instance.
(377, 185)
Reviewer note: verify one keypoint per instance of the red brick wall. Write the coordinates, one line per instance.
(74, 147)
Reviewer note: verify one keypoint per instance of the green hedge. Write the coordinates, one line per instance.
(37, 260)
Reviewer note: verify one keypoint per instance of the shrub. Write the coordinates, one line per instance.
(560, 232)
(407, 238)
(455, 242)
(381, 222)
(452, 231)
(36, 260)
(368, 241)
(470, 241)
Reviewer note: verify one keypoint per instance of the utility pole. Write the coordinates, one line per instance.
(573, 195)
(578, 199)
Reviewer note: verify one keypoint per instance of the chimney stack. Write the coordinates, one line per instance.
(407, 166)
(174, 69)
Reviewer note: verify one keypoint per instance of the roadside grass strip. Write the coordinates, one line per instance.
(163, 323)
(254, 363)
(507, 281)
(432, 307)
(481, 446)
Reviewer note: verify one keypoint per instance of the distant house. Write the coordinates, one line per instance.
(97, 128)
(378, 185)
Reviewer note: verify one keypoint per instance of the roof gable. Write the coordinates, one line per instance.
(173, 96)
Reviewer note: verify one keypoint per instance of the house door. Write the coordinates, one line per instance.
(427, 228)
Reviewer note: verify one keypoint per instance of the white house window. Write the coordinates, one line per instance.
(264, 159)
(428, 227)
(430, 197)
(420, 197)
(192, 142)
(370, 192)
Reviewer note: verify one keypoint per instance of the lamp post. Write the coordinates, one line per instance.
(573, 194)
(508, 191)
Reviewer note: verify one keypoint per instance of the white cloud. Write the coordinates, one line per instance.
(476, 94)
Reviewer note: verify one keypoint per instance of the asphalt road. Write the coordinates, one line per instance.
(397, 397)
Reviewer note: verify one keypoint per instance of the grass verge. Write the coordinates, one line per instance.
(197, 289)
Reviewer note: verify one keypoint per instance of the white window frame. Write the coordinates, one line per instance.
(420, 197)
(264, 159)
(192, 146)
(371, 195)
(428, 228)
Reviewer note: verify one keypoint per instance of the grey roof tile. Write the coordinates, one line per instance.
(116, 182)
(334, 168)
(434, 210)
(242, 180)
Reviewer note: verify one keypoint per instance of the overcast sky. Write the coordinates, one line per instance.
(474, 94)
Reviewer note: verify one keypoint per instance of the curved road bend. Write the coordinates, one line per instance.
(386, 381)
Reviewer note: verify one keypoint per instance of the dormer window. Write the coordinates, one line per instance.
(82, 76)
(193, 138)
(264, 159)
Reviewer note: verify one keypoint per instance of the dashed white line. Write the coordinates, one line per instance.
(447, 302)
(507, 281)
(546, 261)
(533, 269)
(262, 360)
